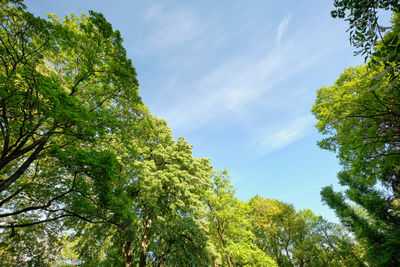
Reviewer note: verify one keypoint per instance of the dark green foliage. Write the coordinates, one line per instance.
(362, 16)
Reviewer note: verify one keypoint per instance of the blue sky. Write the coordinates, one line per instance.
(237, 79)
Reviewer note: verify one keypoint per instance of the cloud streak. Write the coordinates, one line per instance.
(231, 88)
(278, 137)
(282, 28)
(171, 27)
(235, 91)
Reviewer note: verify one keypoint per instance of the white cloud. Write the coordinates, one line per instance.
(282, 28)
(231, 88)
(247, 88)
(282, 135)
(171, 27)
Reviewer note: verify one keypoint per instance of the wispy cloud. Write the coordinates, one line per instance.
(282, 28)
(254, 88)
(171, 27)
(231, 88)
(280, 136)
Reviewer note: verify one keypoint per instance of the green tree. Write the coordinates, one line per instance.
(361, 114)
(64, 86)
(67, 94)
(230, 229)
(321, 243)
(275, 225)
(301, 238)
(172, 184)
(154, 213)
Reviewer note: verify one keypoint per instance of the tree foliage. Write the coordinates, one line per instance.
(229, 228)
(301, 238)
(362, 16)
(171, 187)
(275, 225)
(360, 114)
(65, 85)
(154, 213)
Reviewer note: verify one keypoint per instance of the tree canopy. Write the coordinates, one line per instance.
(65, 86)
(360, 114)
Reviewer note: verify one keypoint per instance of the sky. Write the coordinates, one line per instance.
(237, 79)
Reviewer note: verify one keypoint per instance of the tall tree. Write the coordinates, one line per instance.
(64, 86)
(275, 225)
(172, 184)
(230, 228)
(361, 115)
(153, 213)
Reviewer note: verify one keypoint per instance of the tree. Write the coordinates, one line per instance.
(321, 243)
(230, 229)
(64, 86)
(275, 225)
(154, 213)
(67, 90)
(300, 238)
(361, 114)
(172, 184)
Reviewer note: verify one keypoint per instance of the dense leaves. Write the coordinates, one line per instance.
(301, 238)
(229, 228)
(65, 85)
(361, 115)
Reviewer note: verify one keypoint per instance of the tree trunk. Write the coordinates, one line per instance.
(161, 261)
(144, 243)
(127, 253)
(223, 241)
(4, 184)
(326, 237)
(288, 255)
